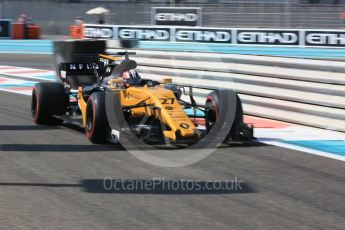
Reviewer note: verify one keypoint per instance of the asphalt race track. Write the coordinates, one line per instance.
(52, 178)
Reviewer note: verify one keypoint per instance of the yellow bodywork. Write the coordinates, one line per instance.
(163, 105)
(106, 58)
(82, 105)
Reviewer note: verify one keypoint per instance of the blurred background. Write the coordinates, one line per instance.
(55, 16)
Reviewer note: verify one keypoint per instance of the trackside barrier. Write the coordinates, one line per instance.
(34, 32)
(20, 31)
(301, 91)
(296, 52)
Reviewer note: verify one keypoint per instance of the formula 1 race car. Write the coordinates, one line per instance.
(109, 99)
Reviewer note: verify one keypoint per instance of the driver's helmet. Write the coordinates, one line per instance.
(131, 78)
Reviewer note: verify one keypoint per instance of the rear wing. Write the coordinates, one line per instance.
(104, 60)
(78, 68)
(72, 69)
(107, 59)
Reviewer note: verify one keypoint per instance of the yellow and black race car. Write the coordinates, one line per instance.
(111, 101)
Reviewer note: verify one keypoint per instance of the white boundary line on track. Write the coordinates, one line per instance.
(304, 149)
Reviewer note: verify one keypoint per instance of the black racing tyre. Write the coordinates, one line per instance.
(96, 118)
(211, 110)
(234, 132)
(212, 114)
(48, 99)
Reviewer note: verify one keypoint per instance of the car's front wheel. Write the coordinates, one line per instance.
(212, 114)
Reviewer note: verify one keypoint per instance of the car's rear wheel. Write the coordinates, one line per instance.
(48, 99)
(96, 119)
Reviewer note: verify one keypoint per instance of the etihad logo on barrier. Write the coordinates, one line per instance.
(325, 39)
(272, 37)
(203, 35)
(177, 17)
(97, 32)
(144, 34)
